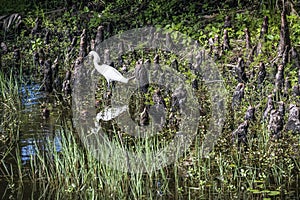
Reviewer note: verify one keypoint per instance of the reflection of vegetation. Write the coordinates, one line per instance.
(263, 168)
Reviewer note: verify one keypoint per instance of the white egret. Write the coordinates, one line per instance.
(110, 73)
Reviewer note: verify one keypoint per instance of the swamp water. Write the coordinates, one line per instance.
(36, 132)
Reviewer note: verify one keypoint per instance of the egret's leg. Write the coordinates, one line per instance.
(113, 84)
(108, 83)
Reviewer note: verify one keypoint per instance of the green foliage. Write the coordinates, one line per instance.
(13, 6)
(294, 25)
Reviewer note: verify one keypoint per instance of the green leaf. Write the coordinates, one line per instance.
(270, 37)
(259, 181)
(274, 193)
(254, 191)
(86, 9)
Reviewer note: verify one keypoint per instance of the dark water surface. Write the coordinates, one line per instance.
(35, 134)
(35, 130)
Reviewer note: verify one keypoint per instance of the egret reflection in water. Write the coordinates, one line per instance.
(111, 113)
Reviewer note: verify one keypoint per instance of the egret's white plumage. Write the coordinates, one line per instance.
(110, 73)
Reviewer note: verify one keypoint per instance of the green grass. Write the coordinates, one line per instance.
(10, 104)
(230, 171)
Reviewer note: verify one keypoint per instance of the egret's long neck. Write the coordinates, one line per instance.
(96, 61)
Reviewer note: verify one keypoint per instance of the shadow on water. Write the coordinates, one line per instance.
(36, 132)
